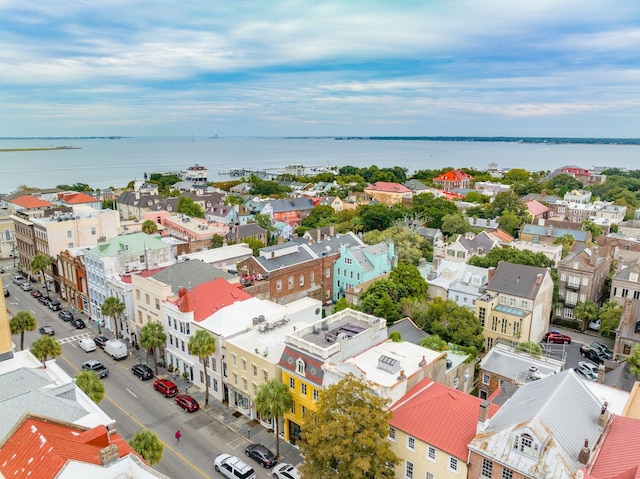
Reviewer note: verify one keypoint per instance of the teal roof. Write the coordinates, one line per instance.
(137, 242)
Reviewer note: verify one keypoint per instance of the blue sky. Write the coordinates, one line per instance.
(293, 68)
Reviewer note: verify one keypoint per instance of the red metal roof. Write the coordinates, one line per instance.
(210, 297)
(453, 175)
(388, 187)
(39, 448)
(441, 416)
(28, 201)
(536, 208)
(619, 455)
(77, 198)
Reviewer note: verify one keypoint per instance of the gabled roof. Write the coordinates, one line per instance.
(516, 280)
(28, 201)
(246, 231)
(502, 235)
(481, 242)
(618, 455)
(415, 185)
(453, 175)
(207, 298)
(188, 274)
(409, 331)
(296, 204)
(551, 232)
(130, 244)
(40, 448)
(388, 187)
(441, 416)
(536, 208)
(77, 198)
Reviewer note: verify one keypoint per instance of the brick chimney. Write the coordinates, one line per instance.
(490, 273)
(603, 417)
(601, 373)
(538, 279)
(483, 415)
(585, 452)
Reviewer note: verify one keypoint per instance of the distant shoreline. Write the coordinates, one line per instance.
(8, 150)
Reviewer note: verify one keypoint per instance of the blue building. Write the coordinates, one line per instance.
(359, 264)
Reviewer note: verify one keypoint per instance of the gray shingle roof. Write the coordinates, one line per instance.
(516, 280)
(301, 255)
(189, 274)
(297, 204)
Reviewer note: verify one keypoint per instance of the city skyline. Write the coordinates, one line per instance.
(490, 68)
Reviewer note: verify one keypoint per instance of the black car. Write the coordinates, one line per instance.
(100, 341)
(44, 300)
(6, 292)
(142, 371)
(65, 315)
(78, 323)
(262, 454)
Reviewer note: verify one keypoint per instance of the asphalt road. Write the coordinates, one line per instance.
(135, 405)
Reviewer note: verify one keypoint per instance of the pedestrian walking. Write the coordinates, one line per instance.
(178, 436)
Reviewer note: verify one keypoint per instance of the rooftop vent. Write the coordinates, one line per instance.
(388, 364)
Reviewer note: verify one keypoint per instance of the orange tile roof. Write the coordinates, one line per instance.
(619, 455)
(39, 448)
(388, 187)
(210, 297)
(502, 235)
(453, 175)
(77, 198)
(28, 201)
(440, 416)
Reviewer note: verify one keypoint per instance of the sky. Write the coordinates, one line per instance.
(565, 68)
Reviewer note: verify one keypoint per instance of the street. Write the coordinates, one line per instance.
(135, 405)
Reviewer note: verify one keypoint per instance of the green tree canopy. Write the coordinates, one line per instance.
(152, 337)
(407, 243)
(454, 224)
(433, 209)
(566, 241)
(609, 315)
(507, 201)
(217, 241)
(453, 323)
(434, 342)
(509, 222)
(376, 217)
(203, 345)
(20, 322)
(113, 308)
(272, 400)
(534, 349)
(593, 228)
(346, 436)
(383, 299)
(39, 263)
(149, 227)
(511, 255)
(148, 445)
(268, 188)
(585, 312)
(634, 361)
(91, 385)
(45, 347)
(321, 215)
(409, 276)
(187, 206)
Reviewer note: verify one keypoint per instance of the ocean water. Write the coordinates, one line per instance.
(102, 163)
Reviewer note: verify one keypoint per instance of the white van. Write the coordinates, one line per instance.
(116, 349)
(87, 345)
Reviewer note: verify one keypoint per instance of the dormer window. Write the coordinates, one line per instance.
(525, 444)
(300, 367)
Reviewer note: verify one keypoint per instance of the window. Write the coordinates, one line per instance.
(293, 407)
(137, 294)
(328, 273)
(486, 469)
(506, 474)
(303, 389)
(255, 370)
(235, 379)
(348, 261)
(428, 475)
(300, 366)
(265, 375)
(408, 470)
(455, 383)
(157, 304)
(292, 383)
(215, 385)
(453, 464)
(312, 277)
(301, 280)
(485, 379)
(244, 364)
(244, 384)
(411, 443)
(146, 298)
(494, 323)
(69, 234)
(234, 359)
(279, 285)
(503, 326)
(431, 453)
(303, 410)
(315, 394)
(93, 230)
(392, 433)
(482, 313)
(214, 366)
(290, 282)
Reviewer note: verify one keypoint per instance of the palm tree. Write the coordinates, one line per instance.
(39, 263)
(273, 399)
(91, 385)
(113, 308)
(203, 344)
(149, 227)
(148, 445)
(45, 347)
(22, 321)
(585, 311)
(152, 336)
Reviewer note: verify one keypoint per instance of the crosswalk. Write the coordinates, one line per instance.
(73, 340)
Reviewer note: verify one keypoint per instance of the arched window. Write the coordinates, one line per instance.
(300, 366)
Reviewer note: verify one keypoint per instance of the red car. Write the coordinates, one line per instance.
(558, 338)
(166, 387)
(36, 293)
(187, 403)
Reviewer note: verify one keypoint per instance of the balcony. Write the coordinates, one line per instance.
(570, 302)
(573, 286)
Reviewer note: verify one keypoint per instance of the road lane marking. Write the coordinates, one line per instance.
(131, 392)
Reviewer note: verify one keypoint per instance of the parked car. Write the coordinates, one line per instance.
(19, 280)
(47, 330)
(285, 471)
(6, 292)
(36, 293)
(604, 351)
(87, 345)
(97, 367)
(55, 305)
(142, 371)
(595, 325)
(586, 373)
(26, 287)
(187, 403)
(65, 315)
(555, 337)
(44, 300)
(166, 387)
(262, 454)
(589, 365)
(591, 354)
(78, 323)
(116, 349)
(101, 341)
(232, 467)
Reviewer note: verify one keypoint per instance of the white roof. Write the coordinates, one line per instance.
(220, 254)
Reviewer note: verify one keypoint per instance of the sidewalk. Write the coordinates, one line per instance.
(585, 337)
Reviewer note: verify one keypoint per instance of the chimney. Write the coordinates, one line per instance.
(538, 279)
(422, 363)
(490, 273)
(603, 417)
(593, 259)
(601, 373)
(619, 264)
(483, 415)
(108, 454)
(402, 375)
(585, 452)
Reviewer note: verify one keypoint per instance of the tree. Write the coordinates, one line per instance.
(91, 385)
(149, 227)
(113, 308)
(217, 241)
(272, 400)
(634, 361)
(346, 436)
(22, 321)
(566, 241)
(407, 243)
(610, 314)
(507, 201)
(148, 445)
(45, 347)
(510, 222)
(152, 336)
(585, 312)
(595, 229)
(433, 209)
(39, 263)
(454, 224)
(511, 255)
(453, 323)
(188, 207)
(409, 276)
(375, 217)
(255, 244)
(382, 299)
(203, 344)
(434, 342)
